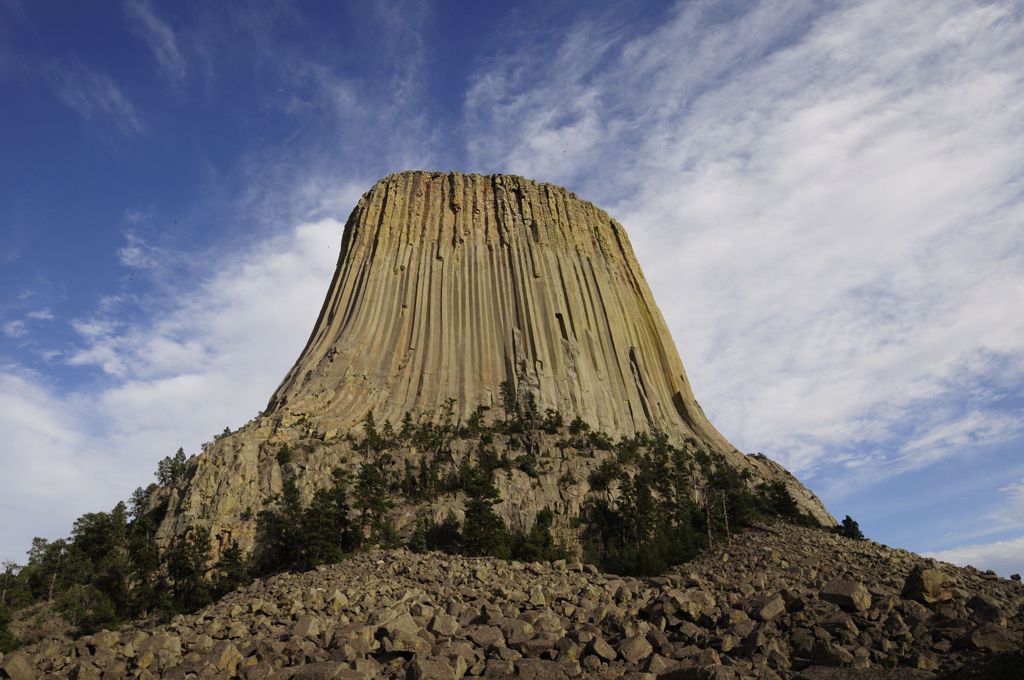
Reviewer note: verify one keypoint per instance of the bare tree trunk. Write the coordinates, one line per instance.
(53, 582)
(707, 512)
(725, 518)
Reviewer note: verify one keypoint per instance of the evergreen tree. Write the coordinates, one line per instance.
(780, 501)
(328, 532)
(538, 545)
(232, 570)
(509, 400)
(186, 568)
(484, 532)
(7, 640)
(407, 428)
(371, 500)
(100, 541)
(850, 529)
(280, 530)
(170, 468)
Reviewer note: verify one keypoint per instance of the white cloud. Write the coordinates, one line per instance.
(159, 37)
(40, 314)
(972, 430)
(211, 358)
(828, 206)
(136, 253)
(15, 329)
(1003, 557)
(49, 476)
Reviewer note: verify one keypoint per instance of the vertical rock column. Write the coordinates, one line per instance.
(449, 284)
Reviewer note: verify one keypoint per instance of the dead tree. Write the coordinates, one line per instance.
(707, 512)
(725, 517)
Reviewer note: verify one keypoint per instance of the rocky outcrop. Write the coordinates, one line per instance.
(450, 284)
(775, 602)
(447, 286)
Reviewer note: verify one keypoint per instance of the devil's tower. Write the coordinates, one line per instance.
(447, 286)
(450, 284)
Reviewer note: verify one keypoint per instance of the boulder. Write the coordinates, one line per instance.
(634, 649)
(431, 668)
(16, 666)
(990, 638)
(326, 670)
(927, 586)
(768, 607)
(850, 595)
(602, 649)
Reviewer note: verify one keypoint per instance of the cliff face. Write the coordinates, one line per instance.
(447, 286)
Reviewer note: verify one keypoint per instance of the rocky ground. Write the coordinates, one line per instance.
(776, 602)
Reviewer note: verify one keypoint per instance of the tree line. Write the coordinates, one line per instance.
(656, 504)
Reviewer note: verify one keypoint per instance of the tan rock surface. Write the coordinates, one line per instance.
(448, 285)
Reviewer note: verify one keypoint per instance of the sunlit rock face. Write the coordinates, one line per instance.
(447, 286)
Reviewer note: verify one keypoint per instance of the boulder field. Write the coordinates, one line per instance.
(777, 601)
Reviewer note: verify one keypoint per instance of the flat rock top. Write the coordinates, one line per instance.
(749, 609)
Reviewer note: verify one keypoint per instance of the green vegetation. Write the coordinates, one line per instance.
(171, 468)
(293, 537)
(655, 503)
(109, 569)
(849, 528)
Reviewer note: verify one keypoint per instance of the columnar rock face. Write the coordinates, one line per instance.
(450, 284)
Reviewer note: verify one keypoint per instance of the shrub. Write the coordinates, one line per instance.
(850, 529)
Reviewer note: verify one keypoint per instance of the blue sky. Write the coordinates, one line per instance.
(826, 198)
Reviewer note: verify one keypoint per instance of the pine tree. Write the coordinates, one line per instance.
(281, 532)
(484, 532)
(232, 570)
(850, 529)
(371, 500)
(328, 532)
(170, 468)
(186, 568)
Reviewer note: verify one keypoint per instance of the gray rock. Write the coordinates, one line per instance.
(431, 668)
(990, 638)
(443, 624)
(16, 666)
(602, 649)
(306, 626)
(768, 607)
(486, 636)
(927, 586)
(850, 595)
(326, 670)
(634, 649)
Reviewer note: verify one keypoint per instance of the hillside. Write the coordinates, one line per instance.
(776, 601)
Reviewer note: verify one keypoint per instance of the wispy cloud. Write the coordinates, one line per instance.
(93, 94)
(158, 36)
(827, 200)
(136, 253)
(40, 315)
(215, 343)
(1003, 557)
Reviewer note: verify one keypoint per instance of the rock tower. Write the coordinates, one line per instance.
(447, 286)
